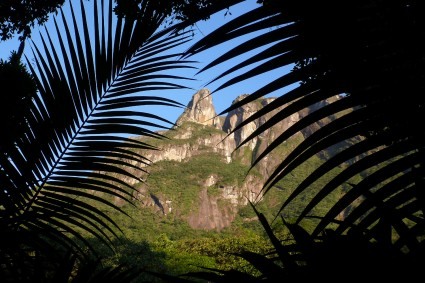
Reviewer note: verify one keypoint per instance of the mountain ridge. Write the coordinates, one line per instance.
(215, 195)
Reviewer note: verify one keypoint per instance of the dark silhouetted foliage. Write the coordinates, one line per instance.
(65, 147)
(369, 53)
(19, 16)
(19, 88)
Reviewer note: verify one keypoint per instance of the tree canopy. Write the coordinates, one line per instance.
(19, 16)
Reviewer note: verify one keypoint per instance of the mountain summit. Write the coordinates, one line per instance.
(200, 110)
(197, 175)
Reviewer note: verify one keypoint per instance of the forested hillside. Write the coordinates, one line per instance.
(194, 202)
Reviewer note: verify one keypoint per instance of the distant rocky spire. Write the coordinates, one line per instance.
(200, 110)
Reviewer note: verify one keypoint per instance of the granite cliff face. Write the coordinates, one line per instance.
(200, 133)
(201, 110)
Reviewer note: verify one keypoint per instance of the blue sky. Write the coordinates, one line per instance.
(222, 98)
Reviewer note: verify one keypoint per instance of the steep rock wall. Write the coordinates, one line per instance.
(199, 131)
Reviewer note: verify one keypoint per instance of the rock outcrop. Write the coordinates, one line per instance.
(200, 132)
(235, 117)
(200, 110)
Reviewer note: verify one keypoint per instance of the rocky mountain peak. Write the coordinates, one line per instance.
(236, 116)
(200, 110)
(212, 164)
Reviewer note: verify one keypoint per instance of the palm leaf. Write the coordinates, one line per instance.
(77, 146)
(366, 51)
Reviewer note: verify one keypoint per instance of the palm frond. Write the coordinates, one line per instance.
(364, 52)
(93, 93)
(329, 255)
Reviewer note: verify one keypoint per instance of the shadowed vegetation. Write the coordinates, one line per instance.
(369, 53)
(88, 82)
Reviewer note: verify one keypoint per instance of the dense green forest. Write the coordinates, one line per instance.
(163, 241)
